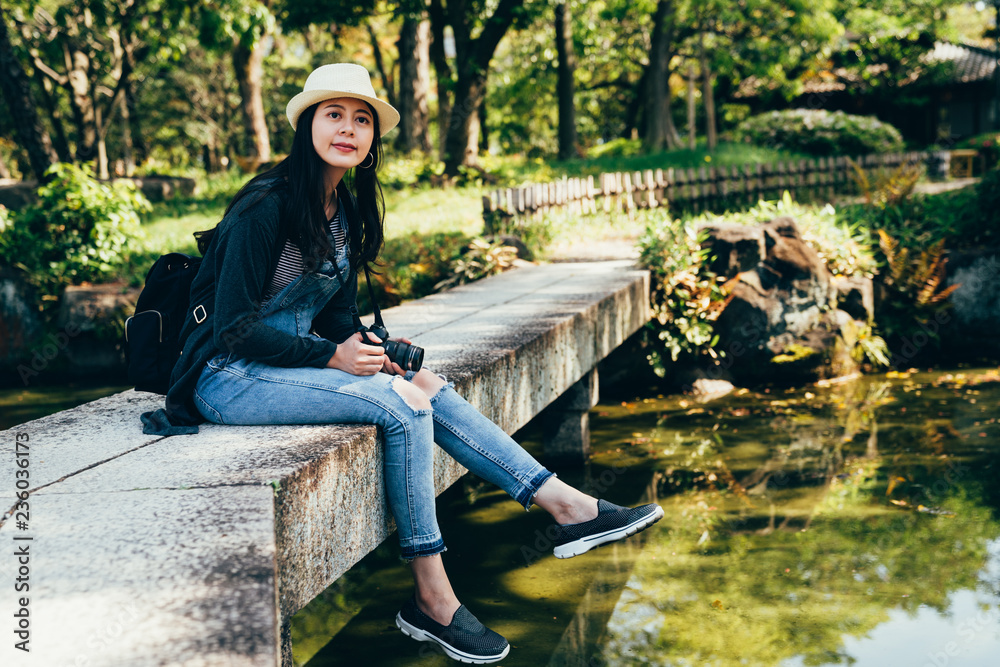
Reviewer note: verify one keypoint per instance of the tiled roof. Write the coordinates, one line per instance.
(972, 63)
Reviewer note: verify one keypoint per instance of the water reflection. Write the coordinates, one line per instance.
(855, 523)
(855, 526)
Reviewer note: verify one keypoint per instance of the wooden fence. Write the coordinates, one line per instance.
(692, 189)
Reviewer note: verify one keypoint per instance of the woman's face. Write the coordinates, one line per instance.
(343, 130)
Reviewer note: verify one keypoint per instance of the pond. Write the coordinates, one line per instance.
(22, 404)
(853, 523)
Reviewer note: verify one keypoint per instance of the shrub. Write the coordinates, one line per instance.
(402, 172)
(915, 290)
(820, 132)
(411, 267)
(685, 299)
(988, 145)
(620, 147)
(481, 258)
(988, 202)
(964, 218)
(79, 230)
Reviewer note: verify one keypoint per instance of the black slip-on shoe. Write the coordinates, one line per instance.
(464, 639)
(613, 522)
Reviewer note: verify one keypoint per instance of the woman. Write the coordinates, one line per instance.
(272, 339)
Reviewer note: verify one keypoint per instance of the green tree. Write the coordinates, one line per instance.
(17, 93)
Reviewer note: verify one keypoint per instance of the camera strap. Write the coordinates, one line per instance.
(371, 296)
(349, 200)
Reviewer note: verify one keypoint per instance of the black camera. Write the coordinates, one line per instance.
(409, 357)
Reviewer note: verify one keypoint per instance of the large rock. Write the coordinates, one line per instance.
(856, 296)
(782, 324)
(735, 247)
(971, 329)
(96, 314)
(19, 321)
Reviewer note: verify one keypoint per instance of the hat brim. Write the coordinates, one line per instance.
(388, 117)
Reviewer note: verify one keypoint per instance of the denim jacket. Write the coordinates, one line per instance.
(234, 275)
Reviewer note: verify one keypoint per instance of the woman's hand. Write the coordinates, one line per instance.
(392, 368)
(356, 357)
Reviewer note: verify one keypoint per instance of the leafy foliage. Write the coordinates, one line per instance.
(882, 188)
(988, 203)
(916, 288)
(865, 344)
(480, 259)
(820, 132)
(962, 218)
(80, 230)
(411, 267)
(685, 299)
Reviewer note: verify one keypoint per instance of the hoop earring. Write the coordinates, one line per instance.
(368, 166)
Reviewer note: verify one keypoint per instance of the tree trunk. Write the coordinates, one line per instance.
(137, 143)
(463, 125)
(708, 98)
(82, 104)
(386, 76)
(17, 93)
(660, 131)
(566, 87)
(128, 150)
(59, 140)
(140, 151)
(442, 71)
(414, 85)
(692, 129)
(632, 111)
(473, 57)
(482, 129)
(102, 146)
(248, 62)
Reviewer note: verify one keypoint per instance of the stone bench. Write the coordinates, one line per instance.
(198, 549)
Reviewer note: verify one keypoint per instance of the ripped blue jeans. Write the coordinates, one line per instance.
(232, 390)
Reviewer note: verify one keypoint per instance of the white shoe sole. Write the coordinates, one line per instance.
(585, 544)
(455, 654)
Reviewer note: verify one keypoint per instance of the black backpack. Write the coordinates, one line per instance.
(151, 334)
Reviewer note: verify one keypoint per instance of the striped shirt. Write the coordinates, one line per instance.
(290, 263)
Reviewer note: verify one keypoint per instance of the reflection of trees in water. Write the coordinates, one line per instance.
(786, 554)
(747, 598)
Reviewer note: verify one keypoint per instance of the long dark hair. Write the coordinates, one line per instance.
(304, 215)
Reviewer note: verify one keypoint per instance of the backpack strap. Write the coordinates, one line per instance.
(203, 310)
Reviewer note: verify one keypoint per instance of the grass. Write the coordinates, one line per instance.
(420, 208)
(170, 224)
(623, 155)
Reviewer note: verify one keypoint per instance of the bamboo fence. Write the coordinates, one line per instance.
(694, 189)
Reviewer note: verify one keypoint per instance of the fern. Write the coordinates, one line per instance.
(915, 284)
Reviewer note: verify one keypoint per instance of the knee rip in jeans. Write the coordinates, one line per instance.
(442, 388)
(414, 398)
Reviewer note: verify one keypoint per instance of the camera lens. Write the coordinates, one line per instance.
(409, 357)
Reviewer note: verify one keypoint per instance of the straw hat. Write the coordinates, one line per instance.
(341, 80)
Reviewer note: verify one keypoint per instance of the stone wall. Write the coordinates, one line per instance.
(85, 339)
